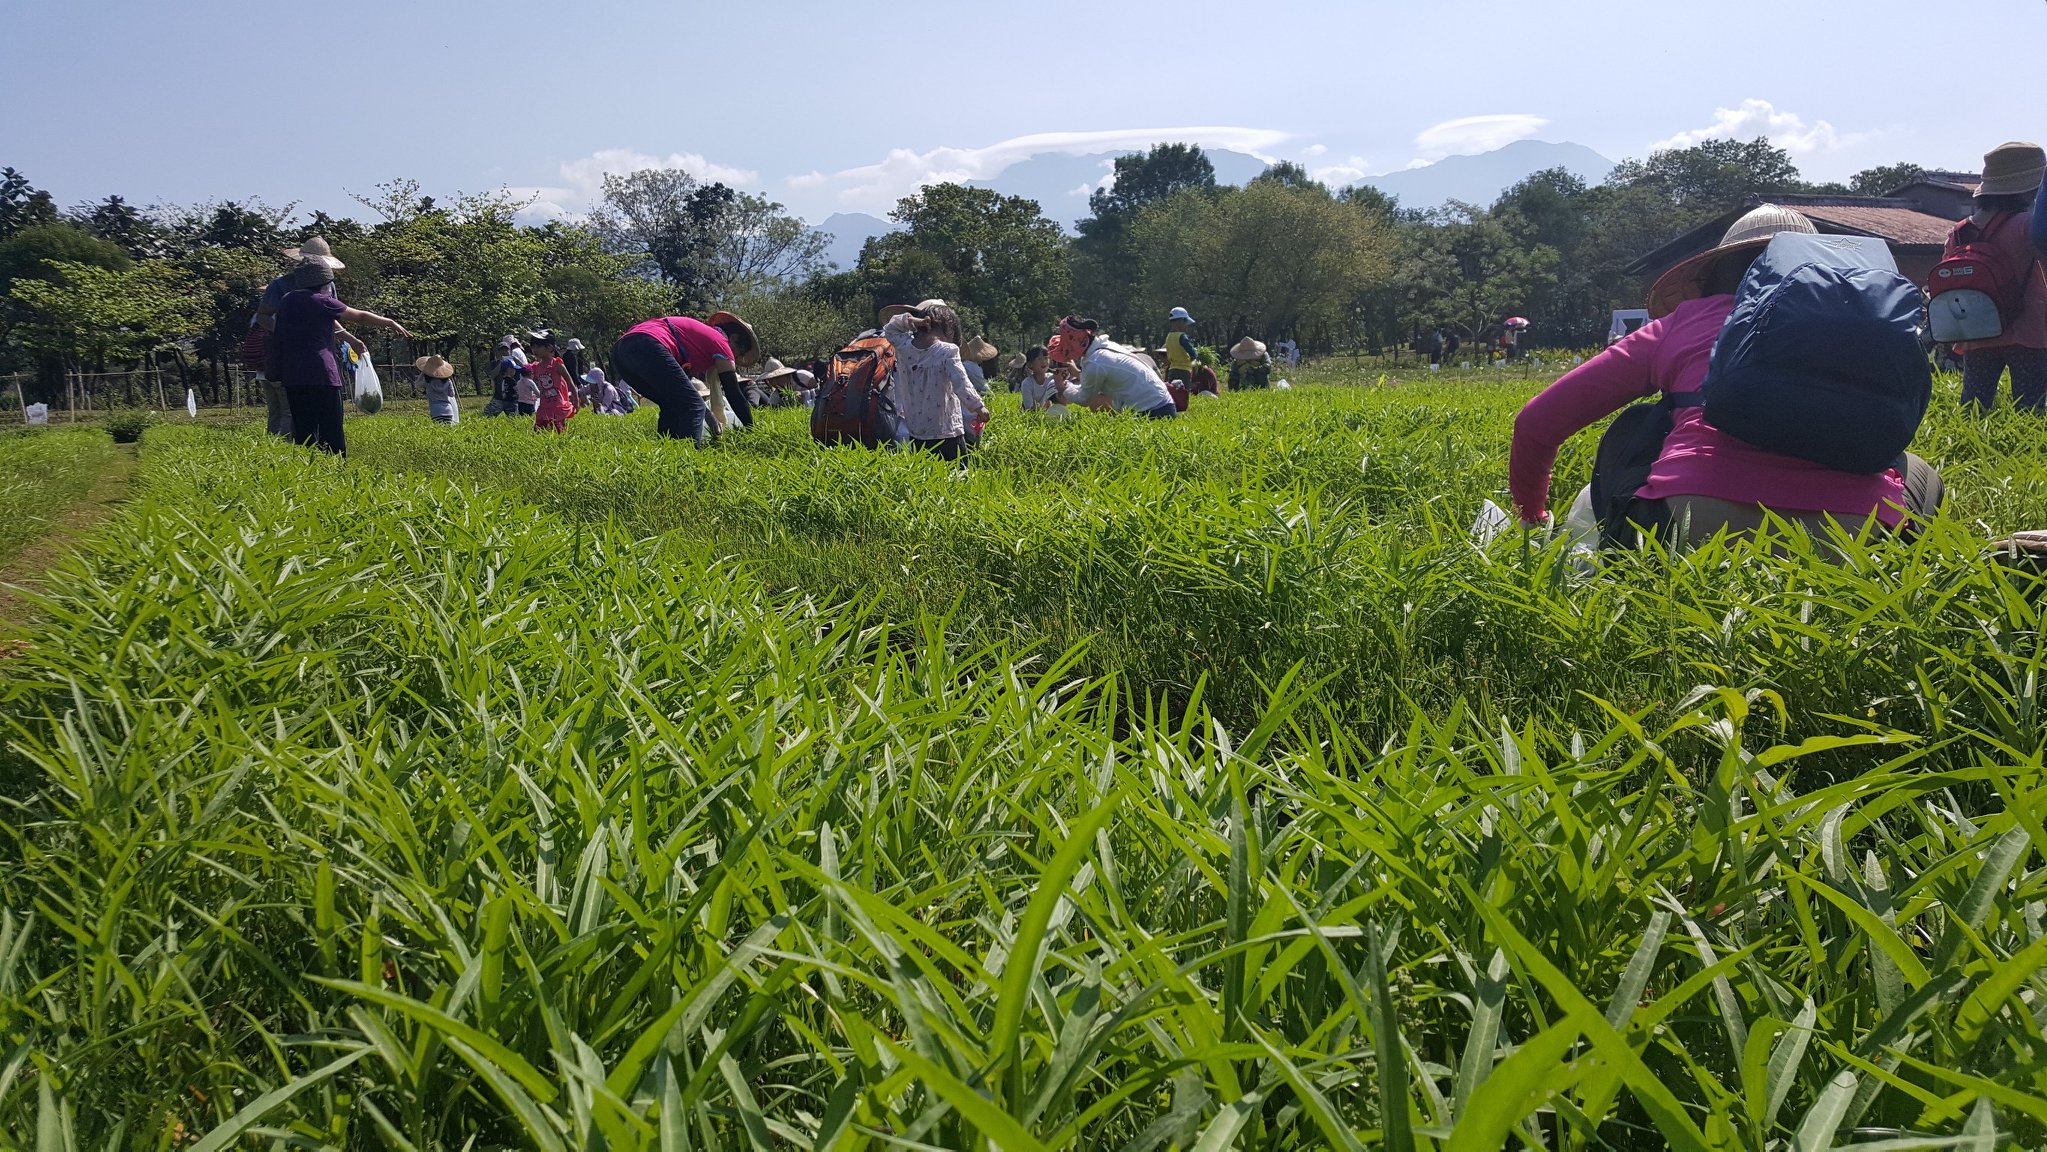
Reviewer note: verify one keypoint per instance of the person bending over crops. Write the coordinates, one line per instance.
(933, 391)
(307, 320)
(550, 376)
(657, 358)
(1112, 377)
(1703, 479)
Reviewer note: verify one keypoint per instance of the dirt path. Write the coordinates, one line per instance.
(28, 568)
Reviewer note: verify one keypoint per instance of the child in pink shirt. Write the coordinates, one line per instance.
(551, 376)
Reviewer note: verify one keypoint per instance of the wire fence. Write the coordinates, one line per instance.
(93, 395)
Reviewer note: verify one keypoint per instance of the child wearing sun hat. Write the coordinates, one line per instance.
(437, 376)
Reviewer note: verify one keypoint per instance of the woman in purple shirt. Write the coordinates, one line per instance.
(306, 363)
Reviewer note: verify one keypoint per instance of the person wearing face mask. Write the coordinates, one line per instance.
(1112, 377)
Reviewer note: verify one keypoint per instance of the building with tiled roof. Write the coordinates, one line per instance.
(1914, 220)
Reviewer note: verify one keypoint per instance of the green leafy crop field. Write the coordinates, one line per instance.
(1148, 786)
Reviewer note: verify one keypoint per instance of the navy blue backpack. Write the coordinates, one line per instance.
(1821, 357)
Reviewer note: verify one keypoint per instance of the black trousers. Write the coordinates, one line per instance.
(949, 448)
(316, 416)
(653, 372)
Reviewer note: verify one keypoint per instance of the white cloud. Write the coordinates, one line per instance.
(876, 187)
(1787, 130)
(1474, 134)
(1314, 150)
(1347, 171)
(583, 180)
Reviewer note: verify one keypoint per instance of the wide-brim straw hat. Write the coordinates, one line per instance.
(2013, 169)
(979, 350)
(1687, 279)
(718, 319)
(1247, 349)
(434, 366)
(772, 369)
(315, 248)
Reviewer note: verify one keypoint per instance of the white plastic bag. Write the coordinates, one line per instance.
(1492, 520)
(1283, 384)
(37, 414)
(191, 404)
(369, 391)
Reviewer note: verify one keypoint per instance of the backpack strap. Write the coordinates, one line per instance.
(675, 334)
(1676, 400)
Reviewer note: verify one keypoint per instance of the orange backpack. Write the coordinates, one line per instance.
(856, 399)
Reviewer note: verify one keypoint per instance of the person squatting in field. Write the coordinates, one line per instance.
(657, 359)
(308, 320)
(933, 393)
(1705, 478)
(2011, 177)
(1112, 377)
(556, 402)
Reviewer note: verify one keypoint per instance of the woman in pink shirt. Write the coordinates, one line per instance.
(659, 358)
(1703, 479)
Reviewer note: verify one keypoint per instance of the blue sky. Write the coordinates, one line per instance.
(202, 99)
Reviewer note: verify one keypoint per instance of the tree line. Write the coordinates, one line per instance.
(108, 284)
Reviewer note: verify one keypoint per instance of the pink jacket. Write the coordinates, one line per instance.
(1670, 356)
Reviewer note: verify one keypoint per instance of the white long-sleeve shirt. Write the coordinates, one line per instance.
(932, 389)
(1130, 381)
(1036, 395)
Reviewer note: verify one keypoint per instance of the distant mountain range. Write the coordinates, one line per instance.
(1061, 183)
(849, 232)
(1480, 179)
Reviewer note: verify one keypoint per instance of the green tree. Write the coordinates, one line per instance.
(1884, 178)
(792, 322)
(85, 313)
(27, 254)
(459, 276)
(1105, 260)
(1711, 177)
(119, 222)
(1270, 260)
(1476, 268)
(995, 255)
(1288, 174)
(22, 205)
(588, 291)
(705, 240)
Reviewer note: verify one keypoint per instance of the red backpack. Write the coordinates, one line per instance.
(855, 401)
(1976, 292)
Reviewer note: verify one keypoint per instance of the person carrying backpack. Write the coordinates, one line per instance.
(1994, 249)
(1698, 477)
